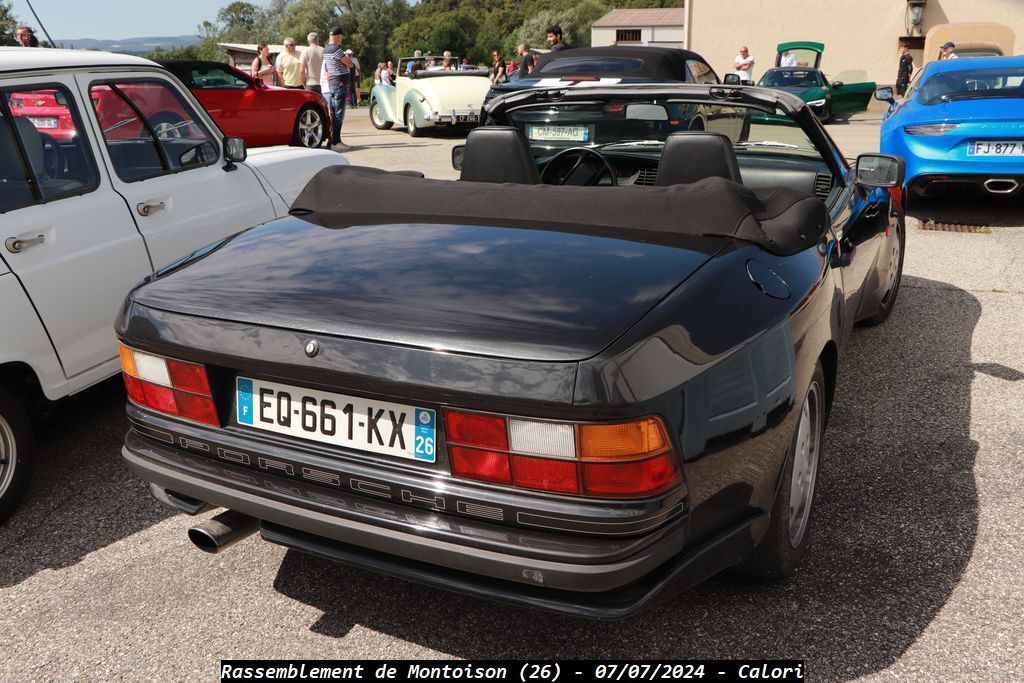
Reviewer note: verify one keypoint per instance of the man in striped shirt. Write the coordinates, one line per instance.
(337, 65)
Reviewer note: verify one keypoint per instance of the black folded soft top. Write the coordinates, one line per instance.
(779, 220)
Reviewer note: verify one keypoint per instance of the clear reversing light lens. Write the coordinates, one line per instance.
(930, 129)
(542, 438)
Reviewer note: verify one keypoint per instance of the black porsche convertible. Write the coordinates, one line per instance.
(592, 372)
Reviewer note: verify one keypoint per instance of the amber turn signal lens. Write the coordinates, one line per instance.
(623, 441)
(128, 361)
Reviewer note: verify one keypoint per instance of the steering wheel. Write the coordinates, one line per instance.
(53, 157)
(588, 173)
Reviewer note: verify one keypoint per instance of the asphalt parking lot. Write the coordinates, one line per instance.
(915, 571)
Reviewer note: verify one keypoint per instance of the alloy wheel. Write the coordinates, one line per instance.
(805, 465)
(311, 128)
(895, 254)
(8, 455)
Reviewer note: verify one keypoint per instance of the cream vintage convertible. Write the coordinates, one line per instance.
(429, 96)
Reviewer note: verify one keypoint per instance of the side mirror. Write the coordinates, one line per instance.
(458, 154)
(837, 84)
(885, 95)
(234, 149)
(879, 170)
(731, 79)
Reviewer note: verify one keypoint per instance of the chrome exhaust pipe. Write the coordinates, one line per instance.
(1001, 185)
(224, 530)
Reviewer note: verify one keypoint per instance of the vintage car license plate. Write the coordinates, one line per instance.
(995, 148)
(43, 121)
(559, 133)
(349, 421)
(467, 118)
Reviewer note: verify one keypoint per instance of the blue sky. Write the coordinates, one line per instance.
(116, 19)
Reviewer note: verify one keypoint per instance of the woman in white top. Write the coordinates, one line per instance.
(262, 67)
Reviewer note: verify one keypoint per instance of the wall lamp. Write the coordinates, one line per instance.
(916, 9)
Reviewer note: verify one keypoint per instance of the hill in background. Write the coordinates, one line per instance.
(131, 45)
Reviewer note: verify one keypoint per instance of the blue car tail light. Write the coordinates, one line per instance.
(930, 129)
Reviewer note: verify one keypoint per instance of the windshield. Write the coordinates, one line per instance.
(644, 125)
(972, 84)
(790, 79)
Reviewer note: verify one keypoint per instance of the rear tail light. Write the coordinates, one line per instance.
(930, 129)
(618, 460)
(168, 386)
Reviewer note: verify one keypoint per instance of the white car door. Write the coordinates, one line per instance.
(168, 164)
(64, 232)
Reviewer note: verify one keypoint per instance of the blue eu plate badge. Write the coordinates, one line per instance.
(244, 401)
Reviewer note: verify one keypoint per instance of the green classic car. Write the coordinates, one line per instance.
(426, 94)
(797, 71)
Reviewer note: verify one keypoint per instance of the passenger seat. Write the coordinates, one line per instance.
(689, 156)
(499, 154)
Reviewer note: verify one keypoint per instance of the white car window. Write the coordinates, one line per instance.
(41, 149)
(150, 129)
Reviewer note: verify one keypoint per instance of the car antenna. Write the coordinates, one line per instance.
(40, 22)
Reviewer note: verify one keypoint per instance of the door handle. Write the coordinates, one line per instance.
(16, 245)
(145, 209)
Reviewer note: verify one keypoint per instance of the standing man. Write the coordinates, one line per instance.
(337, 65)
(555, 39)
(905, 69)
(311, 62)
(947, 50)
(526, 63)
(355, 74)
(26, 37)
(289, 68)
(744, 64)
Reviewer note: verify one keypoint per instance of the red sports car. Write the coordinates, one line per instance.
(259, 114)
(46, 112)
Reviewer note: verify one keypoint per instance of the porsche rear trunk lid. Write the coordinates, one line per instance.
(490, 291)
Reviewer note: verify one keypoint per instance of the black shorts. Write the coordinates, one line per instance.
(901, 88)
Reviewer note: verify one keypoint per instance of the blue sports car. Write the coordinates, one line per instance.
(962, 122)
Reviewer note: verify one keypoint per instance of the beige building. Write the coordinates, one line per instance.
(659, 27)
(861, 37)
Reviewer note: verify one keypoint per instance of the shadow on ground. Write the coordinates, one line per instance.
(969, 207)
(81, 498)
(895, 528)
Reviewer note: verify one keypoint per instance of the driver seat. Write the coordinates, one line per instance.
(33, 144)
(499, 154)
(689, 156)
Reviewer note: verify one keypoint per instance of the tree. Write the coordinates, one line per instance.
(8, 24)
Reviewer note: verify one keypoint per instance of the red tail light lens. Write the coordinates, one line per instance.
(630, 478)
(470, 463)
(616, 459)
(168, 386)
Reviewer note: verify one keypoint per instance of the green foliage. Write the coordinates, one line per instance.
(8, 22)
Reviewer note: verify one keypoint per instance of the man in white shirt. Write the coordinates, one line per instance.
(312, 62)
(744, 64)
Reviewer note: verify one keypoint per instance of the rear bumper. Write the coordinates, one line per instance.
(351, 528)
(995, 183)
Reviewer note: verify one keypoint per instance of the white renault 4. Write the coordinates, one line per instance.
(109, 170)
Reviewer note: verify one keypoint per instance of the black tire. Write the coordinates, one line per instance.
(410, 123)
(696, 125)
(895, 254)
(310, 127)
(782, 549)
(827, 116)
(17, 446)
(377, 117)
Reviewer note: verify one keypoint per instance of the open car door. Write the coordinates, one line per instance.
(799, 53)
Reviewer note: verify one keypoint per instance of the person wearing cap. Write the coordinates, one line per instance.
(354, 75)
(337, 66)
(289, 68)
(947, 50)
(312, 62)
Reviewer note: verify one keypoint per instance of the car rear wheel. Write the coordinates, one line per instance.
(377, 117)
(893, 275)
(16, 446)
(310, 127)
(410, 123)
(781, 550)
(168, 125)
